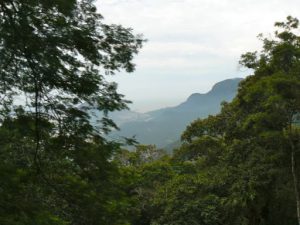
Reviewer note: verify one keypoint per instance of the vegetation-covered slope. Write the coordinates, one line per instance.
(163, 127)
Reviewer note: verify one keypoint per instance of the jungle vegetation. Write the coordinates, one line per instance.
(239, 167)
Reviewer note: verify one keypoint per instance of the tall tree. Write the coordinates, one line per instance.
(54, 56)
(251, 148)
(278, 81)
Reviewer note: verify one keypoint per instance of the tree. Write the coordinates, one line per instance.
(251, 148)
(54, 56)
(144, 171)
(277, 72)
(56, 53)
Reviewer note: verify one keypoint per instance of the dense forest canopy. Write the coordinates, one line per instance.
(240, 166)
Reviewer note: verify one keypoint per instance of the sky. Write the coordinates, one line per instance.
(191, 44)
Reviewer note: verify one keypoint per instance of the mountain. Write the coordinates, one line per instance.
(164, 126)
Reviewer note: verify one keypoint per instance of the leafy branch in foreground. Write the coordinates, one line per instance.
(54, 56)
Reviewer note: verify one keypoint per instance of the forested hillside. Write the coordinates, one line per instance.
(163, 127)
(238, 167)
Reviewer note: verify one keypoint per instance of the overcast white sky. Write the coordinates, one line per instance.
(192, 44)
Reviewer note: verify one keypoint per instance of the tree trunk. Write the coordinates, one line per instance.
(295, 180)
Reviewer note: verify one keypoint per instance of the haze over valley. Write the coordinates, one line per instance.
(163, 127)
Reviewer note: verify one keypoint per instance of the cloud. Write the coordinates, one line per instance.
(193, 39)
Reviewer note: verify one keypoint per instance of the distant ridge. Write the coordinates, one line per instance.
(163, 127)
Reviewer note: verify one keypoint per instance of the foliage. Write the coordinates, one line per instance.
(250, 144)
(240, 166)
(56, 165)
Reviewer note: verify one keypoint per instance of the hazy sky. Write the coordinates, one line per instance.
(192, 44)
